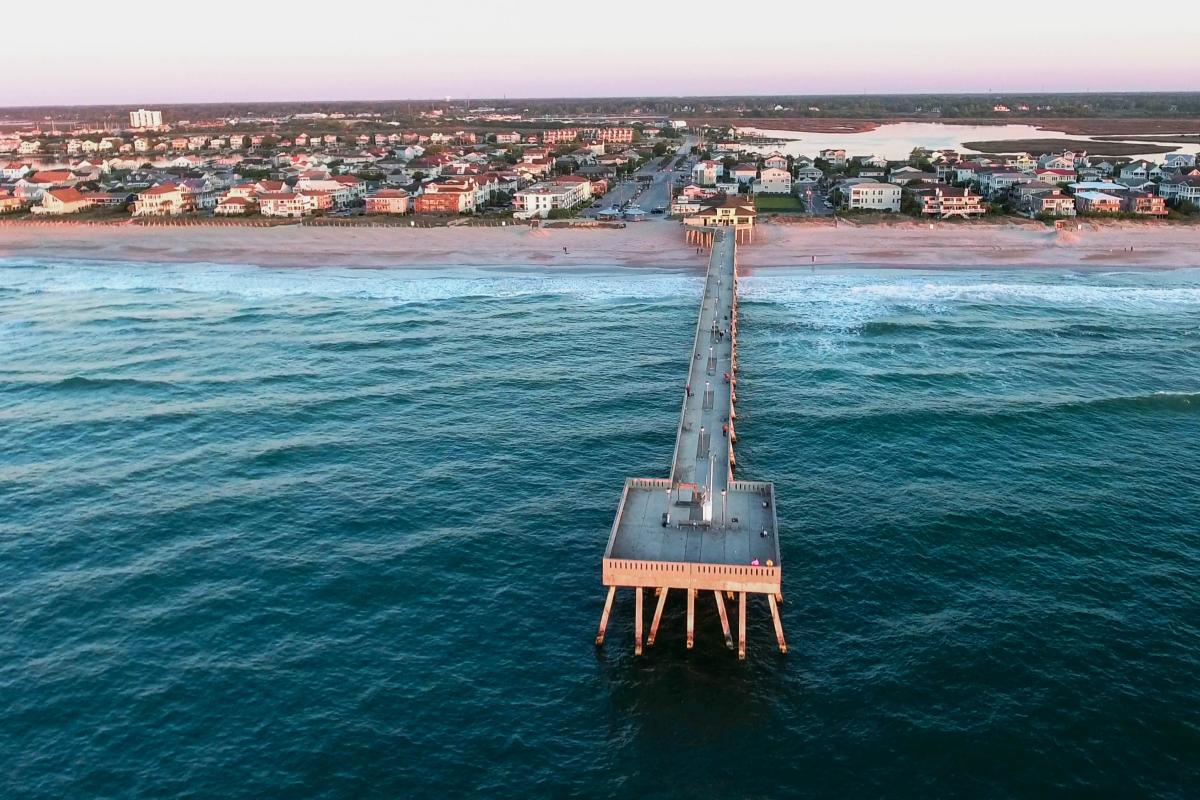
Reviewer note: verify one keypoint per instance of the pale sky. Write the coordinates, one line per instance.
(143, 52)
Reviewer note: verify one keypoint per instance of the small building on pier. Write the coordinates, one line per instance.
(724, 212)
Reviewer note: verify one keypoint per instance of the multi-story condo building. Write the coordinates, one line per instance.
(145, 119)
(542, 198)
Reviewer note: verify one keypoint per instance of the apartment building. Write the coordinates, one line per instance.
(560, 135)
(542, 198)
(143, 118)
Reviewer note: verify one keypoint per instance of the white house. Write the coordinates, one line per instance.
(808, 175)
(834, 156)
(706, 173)
(773, 180)
(1142, 169)
(873, 196)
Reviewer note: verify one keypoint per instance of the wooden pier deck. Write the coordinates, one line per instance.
(700, 530)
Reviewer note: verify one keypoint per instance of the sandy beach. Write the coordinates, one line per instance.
(656, 244)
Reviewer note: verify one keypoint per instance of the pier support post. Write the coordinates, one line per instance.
(662, 601)
(612, 591)
(724, 619)
(741, 626)
(691, 618)
(778, 623)
(637, 622)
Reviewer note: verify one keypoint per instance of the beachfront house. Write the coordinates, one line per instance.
(1047, 202)
(1091, 202)
(388, 201)
(1144, 204)
(9, 202)
(67, 200)
(542, 198)
(282, 204)
(340, 193)
(163, 200)
(944, 202)
(1174, 161)
(872, 196)
(233, 206)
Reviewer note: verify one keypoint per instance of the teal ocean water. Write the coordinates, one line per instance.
(336, 534)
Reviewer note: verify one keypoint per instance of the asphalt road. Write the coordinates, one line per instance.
(816, 203)
(648, 195)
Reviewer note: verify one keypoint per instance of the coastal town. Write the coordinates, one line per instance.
(314, 166)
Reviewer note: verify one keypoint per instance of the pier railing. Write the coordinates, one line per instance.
(691, 575)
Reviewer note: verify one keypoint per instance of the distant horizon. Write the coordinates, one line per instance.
(150, 55)
(997, 94)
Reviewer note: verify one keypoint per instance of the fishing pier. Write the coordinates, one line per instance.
(700, 532)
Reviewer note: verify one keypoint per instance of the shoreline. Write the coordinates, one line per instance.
(649, 245)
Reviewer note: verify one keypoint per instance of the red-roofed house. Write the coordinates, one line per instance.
(230, 206)
(62, 201)
(8, 202)
(50, 178)
(14, 170)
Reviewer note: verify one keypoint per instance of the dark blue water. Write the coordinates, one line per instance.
(336, 534)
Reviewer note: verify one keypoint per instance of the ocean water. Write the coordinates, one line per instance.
(336, 534)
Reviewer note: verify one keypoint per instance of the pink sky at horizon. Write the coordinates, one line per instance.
(149, 54)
